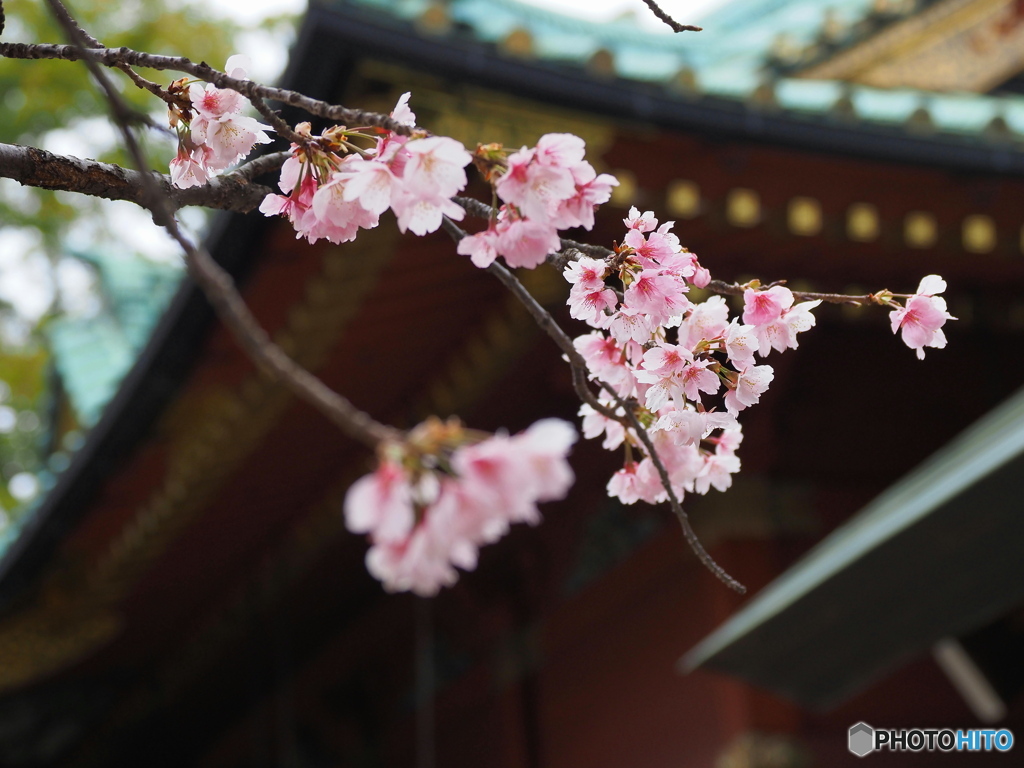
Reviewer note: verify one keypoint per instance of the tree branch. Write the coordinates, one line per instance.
(734, 289)
(482, 210)
(579, 379)
(675, 25)
(112, 57)
(234, 191)
(219, 287)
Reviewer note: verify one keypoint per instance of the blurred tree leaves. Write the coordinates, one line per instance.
(23, 377)
(54, 103)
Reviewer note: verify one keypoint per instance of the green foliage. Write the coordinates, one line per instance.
(23, 377)
(40, 97)
(55, 105)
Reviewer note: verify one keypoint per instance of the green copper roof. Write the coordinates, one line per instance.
(729, 59)
(937, 555)
(93, 354)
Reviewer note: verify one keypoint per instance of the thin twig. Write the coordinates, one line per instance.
(675, 25)
(578, 365)
(482, 210)
(220, 289)
(111, 57)
(135, 77)
(280, 126)
(684, 520)
(547, 324)
(235, 191)
(734, 289)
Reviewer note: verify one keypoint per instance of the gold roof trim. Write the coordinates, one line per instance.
(957, 45)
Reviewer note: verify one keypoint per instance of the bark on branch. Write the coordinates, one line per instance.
(115, 57)
(218, 285)
(34, 167)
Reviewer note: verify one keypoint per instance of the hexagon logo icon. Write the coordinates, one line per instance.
(862, 739)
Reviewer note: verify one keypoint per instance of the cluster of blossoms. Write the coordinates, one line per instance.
(685, 369)
(444, 492)
(212, 135)
(544, 189)
(333, 188)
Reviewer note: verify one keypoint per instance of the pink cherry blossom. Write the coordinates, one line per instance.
(190, 168)
(629, 324)
(654, 248)
(370, 182)
(421, 531)
(482, 248)
(641, 222)
(214, 135)
(533, 187)
(435, 168)
(381, 504)
(215, 103)
(586, 272)
(545, 446)
(595, 424)
(590, 305)
(665, 370)
(696, 378)
(335, 218)
(741, 342)
(561, 150)
(592, 190)
(526, 243)
(418, 564)
(700, 277)
(761, 307)
(660, 296)
(708, 320)
(781, 333)
(402, 113)
(624, 485)
(717, 472)
(689, 426)
(752, 382)
(421, 215)
(605, 360)
(922, 317)
(231, 137)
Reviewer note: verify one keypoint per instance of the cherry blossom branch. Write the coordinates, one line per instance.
(735, 289)
(234, 191)
(675, 25)
(546, 323)
(220, 289)
(112, 57)
(571, 249)
(684, 520)
(578, 366)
